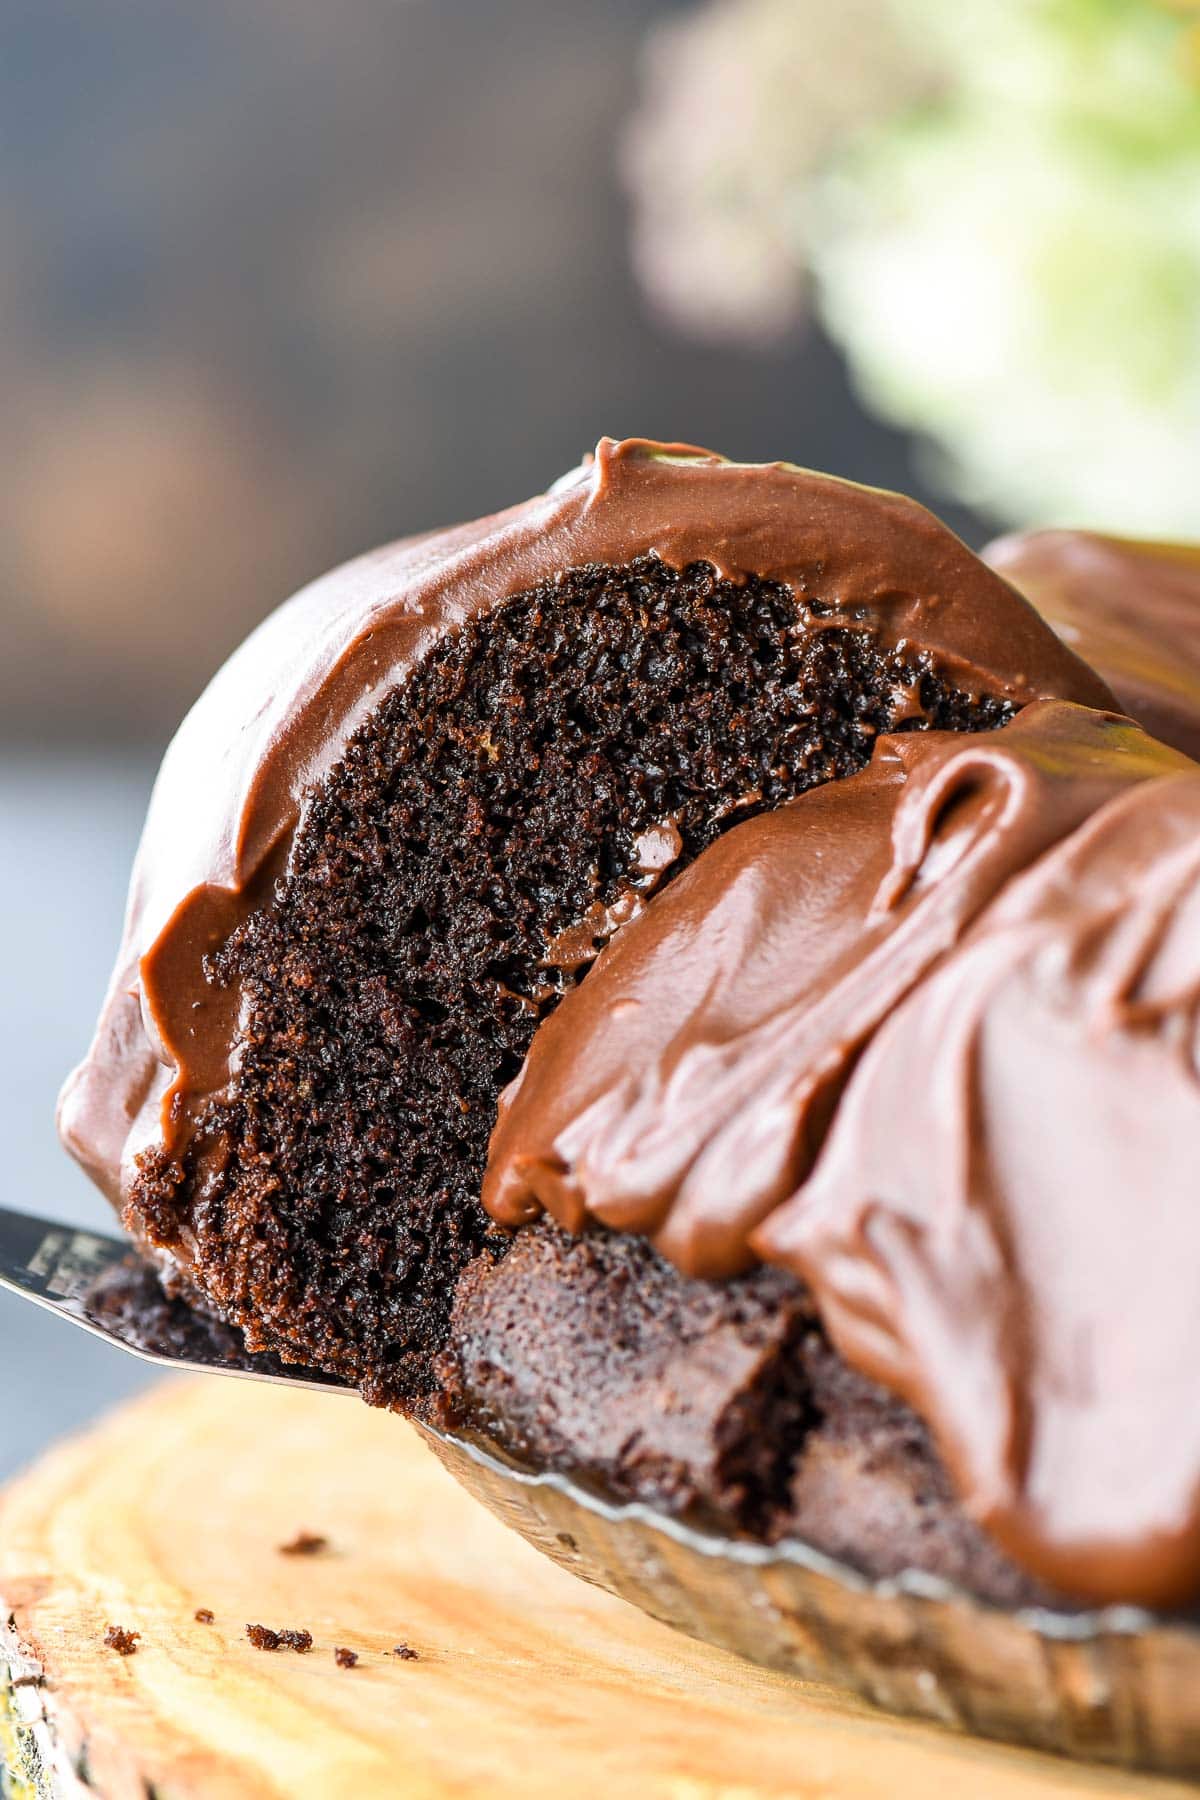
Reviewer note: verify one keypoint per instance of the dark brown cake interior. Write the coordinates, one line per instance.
(721, 1400)
(688, 1395)
(393, 986)
(129, 1300)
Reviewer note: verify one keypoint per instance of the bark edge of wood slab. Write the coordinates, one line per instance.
(183, 1500)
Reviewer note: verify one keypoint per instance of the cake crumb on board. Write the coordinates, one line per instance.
(263, 1638)
(305, 1543)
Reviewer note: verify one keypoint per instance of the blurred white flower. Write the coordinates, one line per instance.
(1007, 246)
(743, 102)
(1016, 273)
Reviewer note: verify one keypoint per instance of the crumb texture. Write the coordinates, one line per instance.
(129, 1299)
(499, 816)
(722, 1400)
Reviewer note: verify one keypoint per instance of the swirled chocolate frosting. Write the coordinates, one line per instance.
(1130, 608)
(230, 795)
(928, 1038)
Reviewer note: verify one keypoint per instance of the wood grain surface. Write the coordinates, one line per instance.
(527, 1682)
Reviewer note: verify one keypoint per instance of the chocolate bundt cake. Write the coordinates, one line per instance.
(398, 830)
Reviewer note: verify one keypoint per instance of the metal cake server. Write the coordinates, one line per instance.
(58, 1267)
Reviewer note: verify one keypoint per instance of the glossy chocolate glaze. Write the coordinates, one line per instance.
(1130, 608)
(1003, 1223)
(927, 1037)
(230, 795)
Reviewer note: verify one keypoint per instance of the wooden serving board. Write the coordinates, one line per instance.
(527, 1681)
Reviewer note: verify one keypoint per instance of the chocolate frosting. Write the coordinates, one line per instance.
(1131, 609)
(927, 1037)
(230, 795)
(1003, 1224)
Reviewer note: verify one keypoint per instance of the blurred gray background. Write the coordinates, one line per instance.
(280, 279)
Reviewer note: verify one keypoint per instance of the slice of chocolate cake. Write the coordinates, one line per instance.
(408, 813)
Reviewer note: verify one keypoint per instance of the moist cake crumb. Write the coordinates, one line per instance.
(718, 1400)
(263, 1638)
(405, 1652)
(204, 1616)
(305, 1543)
(169, 1318)
(345, 1659)
(531, 783)
(124, 1642)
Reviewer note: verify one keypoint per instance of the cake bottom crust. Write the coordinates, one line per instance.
(720, 1401)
